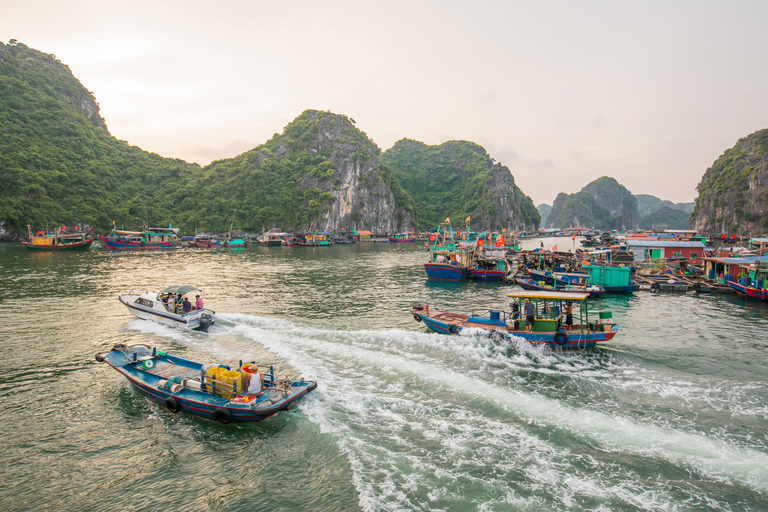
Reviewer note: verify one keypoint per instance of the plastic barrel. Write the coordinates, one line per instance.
(728, 277)
(495, 316)
(711, 274)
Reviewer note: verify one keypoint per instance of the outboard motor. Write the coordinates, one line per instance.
(206, 320)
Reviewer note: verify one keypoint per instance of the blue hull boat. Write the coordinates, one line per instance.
(444, 272)
(211, 392)
(550, 327)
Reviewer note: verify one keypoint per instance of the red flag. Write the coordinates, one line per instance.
(722, 236)
(733, 236)
(573, 237)
(554, 248)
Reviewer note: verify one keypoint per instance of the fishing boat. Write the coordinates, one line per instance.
(308, 239)
(214, 392)
(271, 239)
(146, 239)
(202, 242)
(749, 291)
(530, 284)
(489, 263)
(164, 307)
(549, 327)
(447, 261)
(59, 240)
(402, 238)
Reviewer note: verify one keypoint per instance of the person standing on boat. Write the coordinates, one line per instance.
(186, 305)
(568, 315)
(198, 302)
(530, 314)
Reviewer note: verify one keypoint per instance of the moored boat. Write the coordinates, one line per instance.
(530, 284)
(749, 291)
(550, 326)
(214, 392)
(166, 307)
(402, 238)
(59, 240)
(147, 239)
(447, 261)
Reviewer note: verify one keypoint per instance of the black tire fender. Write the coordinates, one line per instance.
(100, 357)
(172, 404)
(696, 287)
(655, 287)
(223, 415)
(417, 317)
(561, 338)
(453, 329)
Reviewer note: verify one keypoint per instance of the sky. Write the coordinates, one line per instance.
(561, 92)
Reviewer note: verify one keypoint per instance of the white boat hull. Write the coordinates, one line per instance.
(147, 307)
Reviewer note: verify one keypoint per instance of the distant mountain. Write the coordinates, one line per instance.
(544, 210)
(458, 179)
(647, 204)
(665, 218)
(602, 204)
(733, 193)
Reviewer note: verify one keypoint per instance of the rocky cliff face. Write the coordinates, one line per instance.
(321, 173)
(57, 76)
(361, 188)
(733, 193)
(458, 179)
(602, 204)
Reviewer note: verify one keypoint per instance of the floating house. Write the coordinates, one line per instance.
(753, 268)
(661, 249)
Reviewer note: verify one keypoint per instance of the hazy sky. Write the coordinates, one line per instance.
(648, 92)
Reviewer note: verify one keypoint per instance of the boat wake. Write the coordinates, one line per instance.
(452, 422)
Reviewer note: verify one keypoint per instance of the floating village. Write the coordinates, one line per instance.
(549, 308)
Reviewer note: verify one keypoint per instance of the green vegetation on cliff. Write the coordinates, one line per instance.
(733, 192)
(458, 179)
(287, 181)
(58, 165)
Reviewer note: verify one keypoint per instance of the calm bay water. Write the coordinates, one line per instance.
(670, 415)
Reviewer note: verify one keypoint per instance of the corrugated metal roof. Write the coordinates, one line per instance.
(747, 260)
(664, 243)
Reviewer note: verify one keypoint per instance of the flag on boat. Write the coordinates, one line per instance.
(468, 217)
(447, 220)
(573, 237)
(554, 248)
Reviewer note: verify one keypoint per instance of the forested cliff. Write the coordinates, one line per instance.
(733, 193)
(458, 179)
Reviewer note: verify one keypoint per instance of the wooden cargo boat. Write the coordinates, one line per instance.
(403, 238)
(58, 241)
(213, 392)
(549, 326)
(147, 239)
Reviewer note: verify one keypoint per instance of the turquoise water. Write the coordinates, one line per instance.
(669, 415)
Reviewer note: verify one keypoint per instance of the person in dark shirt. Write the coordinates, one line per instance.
(568, 315)
(530, 314)
(186, 305)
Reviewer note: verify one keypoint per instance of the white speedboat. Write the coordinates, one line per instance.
(155, 306)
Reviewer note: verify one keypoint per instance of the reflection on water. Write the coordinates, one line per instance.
(671, 414)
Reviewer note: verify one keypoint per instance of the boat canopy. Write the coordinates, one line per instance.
(183, 290)
(536, 294)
